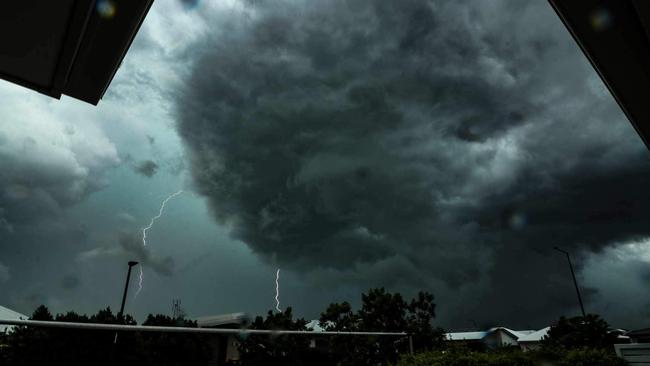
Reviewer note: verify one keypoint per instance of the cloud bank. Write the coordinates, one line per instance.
(416, 144)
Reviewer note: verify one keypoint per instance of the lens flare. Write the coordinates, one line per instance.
(106, 9)
(601, 20)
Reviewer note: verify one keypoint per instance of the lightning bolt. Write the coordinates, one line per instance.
(277, 290)
(144, 235)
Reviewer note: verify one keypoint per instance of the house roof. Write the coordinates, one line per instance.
(639, 333)
(222, 319)
(315, 326)
(478, 335)
(535, 336)
(10, 314)
(466, 336)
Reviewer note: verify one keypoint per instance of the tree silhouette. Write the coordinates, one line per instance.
(577, 332)
(277, 349)
(381, 311)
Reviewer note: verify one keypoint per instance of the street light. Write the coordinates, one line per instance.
(126, 289)
(575, 283)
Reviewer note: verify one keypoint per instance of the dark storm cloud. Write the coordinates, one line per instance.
(70, 282)
(148, 168)
(131, 248)
(415, 141)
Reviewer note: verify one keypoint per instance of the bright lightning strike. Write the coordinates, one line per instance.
(144, 235)
(277, 290)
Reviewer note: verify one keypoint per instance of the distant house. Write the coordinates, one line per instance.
(639, 335)
(317, 342)
(638, 351)
(531, 341)
(224, 347)
(11, 315)
(498, 337)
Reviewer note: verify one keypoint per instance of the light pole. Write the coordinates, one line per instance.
(575, 283)
(126, 289)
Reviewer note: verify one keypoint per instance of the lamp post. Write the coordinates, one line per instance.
(126, 289)
(575, 283)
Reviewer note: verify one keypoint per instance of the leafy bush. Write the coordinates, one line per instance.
(56, 346)
(578, 332)
(574, 357)
(468, 358)
(591, 357)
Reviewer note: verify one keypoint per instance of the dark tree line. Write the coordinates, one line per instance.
(57, 346)
(381, 311)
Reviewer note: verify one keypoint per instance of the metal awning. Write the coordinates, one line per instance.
(71, 47)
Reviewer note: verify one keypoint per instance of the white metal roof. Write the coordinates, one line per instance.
(466, 336)
(314, 326)
(223, 319)
(10, 314)
(475, 336)
(535, 336)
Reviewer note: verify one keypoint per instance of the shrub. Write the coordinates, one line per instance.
(575, 357)
(591, 357)
(468, 358)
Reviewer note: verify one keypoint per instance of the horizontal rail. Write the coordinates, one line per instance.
(149, 328)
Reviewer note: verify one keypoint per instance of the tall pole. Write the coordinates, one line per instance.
(126, 289)
(575, 283)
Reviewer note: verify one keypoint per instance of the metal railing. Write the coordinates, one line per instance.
(149, 328)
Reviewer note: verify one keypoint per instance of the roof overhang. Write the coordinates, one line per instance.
(71, 47)
(613, 34)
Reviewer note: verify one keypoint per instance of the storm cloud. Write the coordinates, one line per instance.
(415, 144)
(130, 248)
(147, 168)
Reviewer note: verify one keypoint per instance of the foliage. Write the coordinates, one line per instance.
(578, 332)
(277, 349)
(591, 357)
(339, 318)
(465, 357)
(381, 311)
(58, 346)
(421, 312)
(174, 348)
(512, 357)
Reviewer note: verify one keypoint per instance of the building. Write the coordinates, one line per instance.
(498, 337)
(224, 347)
(12, 315)
(317, 342)
(531, 341)
(638, 351)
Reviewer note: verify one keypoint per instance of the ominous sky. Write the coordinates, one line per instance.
(415, 145)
